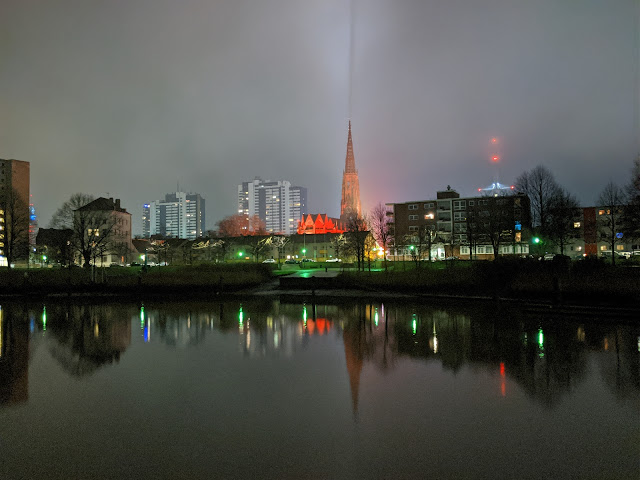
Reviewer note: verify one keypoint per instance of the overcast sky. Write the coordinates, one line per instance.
(130, 97)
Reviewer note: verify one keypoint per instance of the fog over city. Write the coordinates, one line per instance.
(129, 99)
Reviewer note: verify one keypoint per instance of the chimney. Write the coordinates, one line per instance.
(117, 204)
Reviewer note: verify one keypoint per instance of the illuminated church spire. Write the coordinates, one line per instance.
(350, 202)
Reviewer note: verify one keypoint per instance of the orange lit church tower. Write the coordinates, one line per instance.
(350, 202)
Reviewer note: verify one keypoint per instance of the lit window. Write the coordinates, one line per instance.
(576, 224)
(518, 236)
(603, 247)
(619, 247)
(429, 216)
(578, 249)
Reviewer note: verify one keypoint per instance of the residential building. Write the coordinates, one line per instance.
(106, 232)
(179, 215)
(14, 195)
(593, 235)
(449, 225)
(279, 204)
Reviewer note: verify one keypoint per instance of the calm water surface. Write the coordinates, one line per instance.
(263, 389)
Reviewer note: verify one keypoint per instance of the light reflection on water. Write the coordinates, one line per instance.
(458, 392)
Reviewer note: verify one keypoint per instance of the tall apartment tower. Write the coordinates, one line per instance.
(279, 204)
(179, 215)
(350, 201)
(14, 194)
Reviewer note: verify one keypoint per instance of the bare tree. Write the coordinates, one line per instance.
(369, 249)
(471, 224)
(14, 233)
(540, 186)
(338, 242)
(380, 228)
(91, 233)
(279, 242)
(257, 245)
(494, 222)
(64, 216)
(563, 209)
(356, 234)
(611, 201)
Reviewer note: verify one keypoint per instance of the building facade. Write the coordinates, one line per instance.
(449, 225)
(179, 215)
(598, 232)
(14, 200)
(102, 233)
(279, 204)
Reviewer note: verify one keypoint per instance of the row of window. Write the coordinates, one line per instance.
(457, 204)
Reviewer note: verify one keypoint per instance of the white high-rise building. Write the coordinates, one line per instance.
(179, 215)
(277, 203)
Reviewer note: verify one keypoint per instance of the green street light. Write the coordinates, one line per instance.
(536, 240)
(412, 247)
(44, 258)
(304, 251)
(240, 254)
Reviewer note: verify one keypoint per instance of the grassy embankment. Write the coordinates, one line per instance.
(589, 282)
(181, 280)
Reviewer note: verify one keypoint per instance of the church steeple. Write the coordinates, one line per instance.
(350, 161)
(350, 202)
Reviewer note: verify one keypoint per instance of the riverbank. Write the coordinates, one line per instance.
(536, 283)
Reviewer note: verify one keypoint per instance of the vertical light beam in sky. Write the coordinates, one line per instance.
(351, 48)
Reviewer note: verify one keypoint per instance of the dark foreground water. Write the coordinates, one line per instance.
(263, 389)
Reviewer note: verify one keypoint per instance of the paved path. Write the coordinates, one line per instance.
(314, 272)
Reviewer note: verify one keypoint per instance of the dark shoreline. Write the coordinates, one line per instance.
(627, 312)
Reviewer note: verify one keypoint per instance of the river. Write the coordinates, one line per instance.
(281, 389)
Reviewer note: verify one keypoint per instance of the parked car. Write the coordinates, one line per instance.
(291, 261)
(333, 260)
(548, 256)
(306, 260)
(269, 260)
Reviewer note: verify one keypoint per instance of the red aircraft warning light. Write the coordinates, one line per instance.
(495, 158)
(494, 140)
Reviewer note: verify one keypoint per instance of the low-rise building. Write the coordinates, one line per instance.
(102, 232)
(465, 227)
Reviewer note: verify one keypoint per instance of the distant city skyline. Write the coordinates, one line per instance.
(209, 94)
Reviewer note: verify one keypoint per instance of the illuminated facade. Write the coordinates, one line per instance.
(319, 224)
(179, 215)
(277, 203)
(350, 201)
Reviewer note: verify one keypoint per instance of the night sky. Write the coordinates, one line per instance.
(131, 97)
